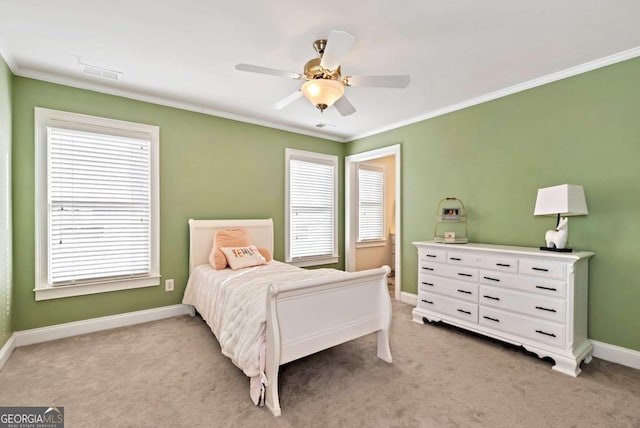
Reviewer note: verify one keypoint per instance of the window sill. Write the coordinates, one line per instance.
(62, 291)
(315, 261)
(372, 243)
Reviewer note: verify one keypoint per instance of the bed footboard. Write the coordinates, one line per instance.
(309, 316)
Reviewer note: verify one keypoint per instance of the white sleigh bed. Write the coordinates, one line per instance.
(304, 316)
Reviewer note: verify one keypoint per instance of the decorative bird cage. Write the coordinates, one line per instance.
(451, 222)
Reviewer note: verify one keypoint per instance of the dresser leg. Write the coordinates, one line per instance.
(567, 366)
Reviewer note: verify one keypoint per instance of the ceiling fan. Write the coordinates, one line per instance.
(324, 84)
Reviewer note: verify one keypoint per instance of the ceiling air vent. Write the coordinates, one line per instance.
(323, 125)
(101, 73)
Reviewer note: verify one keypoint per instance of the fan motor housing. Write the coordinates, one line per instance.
(313, 70)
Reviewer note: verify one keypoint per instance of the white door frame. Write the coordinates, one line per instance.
(351, 208)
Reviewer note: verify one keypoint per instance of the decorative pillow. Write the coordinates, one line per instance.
(242, 257)
(233, 237)
(266, 254)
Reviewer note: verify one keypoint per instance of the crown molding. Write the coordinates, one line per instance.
(167, 102)
(8, 58)
(549, 78)
(140, 96)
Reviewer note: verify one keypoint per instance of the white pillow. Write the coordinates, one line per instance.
(242, 257)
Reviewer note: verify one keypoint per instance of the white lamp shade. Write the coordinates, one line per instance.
(565, 199)
(323, 91)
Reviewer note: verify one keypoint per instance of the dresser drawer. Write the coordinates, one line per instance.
(499, 263)
(542, 269)
(431, 255)
(528, 284)
(484, 261)
(457, 289)
(462, 258)
(430, 268)
(524, 303)
(532, 328)
(448, 306)
(461, 273)
(455, 272)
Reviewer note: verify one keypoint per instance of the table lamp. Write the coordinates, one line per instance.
(562, 201)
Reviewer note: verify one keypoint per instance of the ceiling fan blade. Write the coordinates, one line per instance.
(344, 107)
(287, 100)
(400, 81)
(339, 45)
(266, 70)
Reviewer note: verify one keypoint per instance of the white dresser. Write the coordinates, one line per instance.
(525, 296)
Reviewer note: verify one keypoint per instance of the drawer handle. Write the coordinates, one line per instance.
(545, 333)
(503, 264)
(491, 319)
(465, 274)
(431, 255)
(491, 297)
(546, 288)
(427, 283)
(545, 309)
(428, 301)
(540, 269)
(455, 258)
(464, 312)
(426, 268)
(492, 279)
(464, 291)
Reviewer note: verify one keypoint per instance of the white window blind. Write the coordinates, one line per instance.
(99, 206)
(370, 203)
(312, 208)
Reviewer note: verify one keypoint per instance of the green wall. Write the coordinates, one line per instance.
(494, 156)
(5, 202)
(209, 168)
(582, 130)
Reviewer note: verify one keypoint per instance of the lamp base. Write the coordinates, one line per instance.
(557, 250)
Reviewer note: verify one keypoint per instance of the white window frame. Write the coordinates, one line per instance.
(291, 154)
(381, 241)
(51, 118)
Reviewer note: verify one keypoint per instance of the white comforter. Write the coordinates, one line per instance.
(233, 303)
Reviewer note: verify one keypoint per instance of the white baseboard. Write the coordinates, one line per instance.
(7, 349)
(60, 331)
(409, 298)
(616, 354)
(604, 351)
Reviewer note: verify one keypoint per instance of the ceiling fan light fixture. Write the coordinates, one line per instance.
(323, 84)
(323, 92)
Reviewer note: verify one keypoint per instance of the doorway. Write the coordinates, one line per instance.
(386, 249)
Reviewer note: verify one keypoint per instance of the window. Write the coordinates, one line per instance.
(97, 205)
(370, 203)
(311, 208)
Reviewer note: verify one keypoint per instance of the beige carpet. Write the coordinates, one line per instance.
(170, 373)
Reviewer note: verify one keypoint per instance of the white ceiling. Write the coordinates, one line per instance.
(182, 53)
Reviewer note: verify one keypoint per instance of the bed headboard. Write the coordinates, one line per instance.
(201, 233)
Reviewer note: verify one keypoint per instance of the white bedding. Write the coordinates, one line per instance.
(233, 303)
